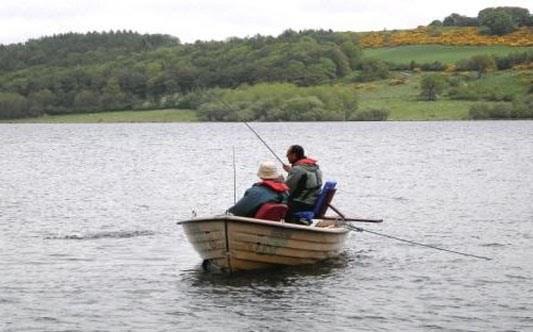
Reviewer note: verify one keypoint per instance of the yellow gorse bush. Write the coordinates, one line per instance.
(522, 37)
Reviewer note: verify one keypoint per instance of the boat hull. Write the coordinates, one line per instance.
(232, 243)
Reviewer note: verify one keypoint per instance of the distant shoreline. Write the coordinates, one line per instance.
(175, 116)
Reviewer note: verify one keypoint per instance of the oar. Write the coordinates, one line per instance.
(343, 217)
(375, 221)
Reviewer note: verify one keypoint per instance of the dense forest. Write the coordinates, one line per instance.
(120, 70)
(124, 70)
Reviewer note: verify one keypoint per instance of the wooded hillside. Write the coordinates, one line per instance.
(124, 70)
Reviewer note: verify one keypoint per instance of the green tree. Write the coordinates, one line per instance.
(41, 101)
(13, 105)
(431, 86)
(523, 107)
(372, 70)
(459, 21)
(482, 64)
(308, 108)
(353, 52)
(436, 23)
(519, 16)
(86, 101)
(112, 96)
(498, 21)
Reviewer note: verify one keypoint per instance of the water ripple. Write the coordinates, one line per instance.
(102, 235)
(109, 195)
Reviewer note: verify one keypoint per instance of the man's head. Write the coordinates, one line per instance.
(268, 171)
(295, 153)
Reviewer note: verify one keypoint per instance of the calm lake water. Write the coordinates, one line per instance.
(89, 241)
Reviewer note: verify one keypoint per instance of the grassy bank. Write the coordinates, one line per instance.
(404, 103)
(400, 95)
(431, 53)
(169, 115)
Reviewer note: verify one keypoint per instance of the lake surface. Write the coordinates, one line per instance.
(89, 241)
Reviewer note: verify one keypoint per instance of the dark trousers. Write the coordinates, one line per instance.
(295, 206)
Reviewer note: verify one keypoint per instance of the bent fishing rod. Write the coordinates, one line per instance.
(268, 147)
(228, 107)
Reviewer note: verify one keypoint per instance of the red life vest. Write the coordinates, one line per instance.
(305, 161)
(274, 185)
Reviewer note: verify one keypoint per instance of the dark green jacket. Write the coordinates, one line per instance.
(304, 181)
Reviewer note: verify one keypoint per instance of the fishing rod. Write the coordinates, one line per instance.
(234, 179)
(268, 147)
(228, 107)
(360, 229)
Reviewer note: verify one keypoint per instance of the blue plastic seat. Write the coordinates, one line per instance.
(321, 204)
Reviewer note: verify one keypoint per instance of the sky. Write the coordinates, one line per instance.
(192, 20)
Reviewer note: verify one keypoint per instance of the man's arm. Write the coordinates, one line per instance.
(293, 178)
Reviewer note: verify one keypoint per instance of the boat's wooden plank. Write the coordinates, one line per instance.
(205, 236)
(211, 253)
(287, 243)
(263, 249)
(208, 238)
(210, 245)
(269, 258)
(204, 226)
(283, 233)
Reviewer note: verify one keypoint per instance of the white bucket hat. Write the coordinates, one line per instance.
(268, 170)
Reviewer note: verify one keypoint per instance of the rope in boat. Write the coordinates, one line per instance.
(360, 229)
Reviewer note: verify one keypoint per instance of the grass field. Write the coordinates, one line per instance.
(431, 53)
(169, 115)
(404, 103)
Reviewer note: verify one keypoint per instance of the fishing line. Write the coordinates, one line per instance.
(359, 229)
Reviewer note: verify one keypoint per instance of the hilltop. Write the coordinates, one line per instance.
(296, 76)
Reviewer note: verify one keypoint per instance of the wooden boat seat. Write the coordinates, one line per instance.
(272, 211)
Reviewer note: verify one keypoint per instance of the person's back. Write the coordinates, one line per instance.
(270, 190)
(304, 180)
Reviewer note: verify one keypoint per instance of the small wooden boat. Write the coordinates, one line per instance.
(232, 243)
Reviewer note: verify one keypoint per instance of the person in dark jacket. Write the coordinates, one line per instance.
(304, 180)
(271, 189)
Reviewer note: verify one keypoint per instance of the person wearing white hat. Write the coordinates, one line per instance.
(271, 189)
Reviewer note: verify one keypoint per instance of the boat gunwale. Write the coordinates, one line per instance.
(224, 218)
